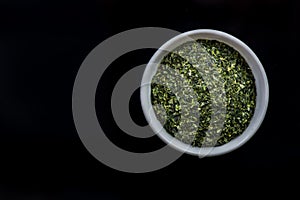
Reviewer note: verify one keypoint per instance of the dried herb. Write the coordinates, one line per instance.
(209, 67)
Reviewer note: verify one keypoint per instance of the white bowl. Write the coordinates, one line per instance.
(261, 82)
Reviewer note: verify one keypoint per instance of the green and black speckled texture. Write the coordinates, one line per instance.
(239, 85)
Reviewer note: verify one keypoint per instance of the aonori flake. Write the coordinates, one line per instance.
(214, 59)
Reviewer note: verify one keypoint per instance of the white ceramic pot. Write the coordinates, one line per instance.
(262, 90)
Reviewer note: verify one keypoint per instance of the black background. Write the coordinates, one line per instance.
(42, 45)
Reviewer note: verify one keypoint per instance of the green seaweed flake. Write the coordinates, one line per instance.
(190, 60)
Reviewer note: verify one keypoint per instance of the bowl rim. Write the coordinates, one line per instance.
(261, 82)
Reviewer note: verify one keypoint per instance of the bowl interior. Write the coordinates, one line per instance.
(262, 91)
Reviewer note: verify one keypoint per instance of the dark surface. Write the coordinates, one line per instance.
(42, 45)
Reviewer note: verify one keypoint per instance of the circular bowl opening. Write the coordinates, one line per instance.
(261, 84)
